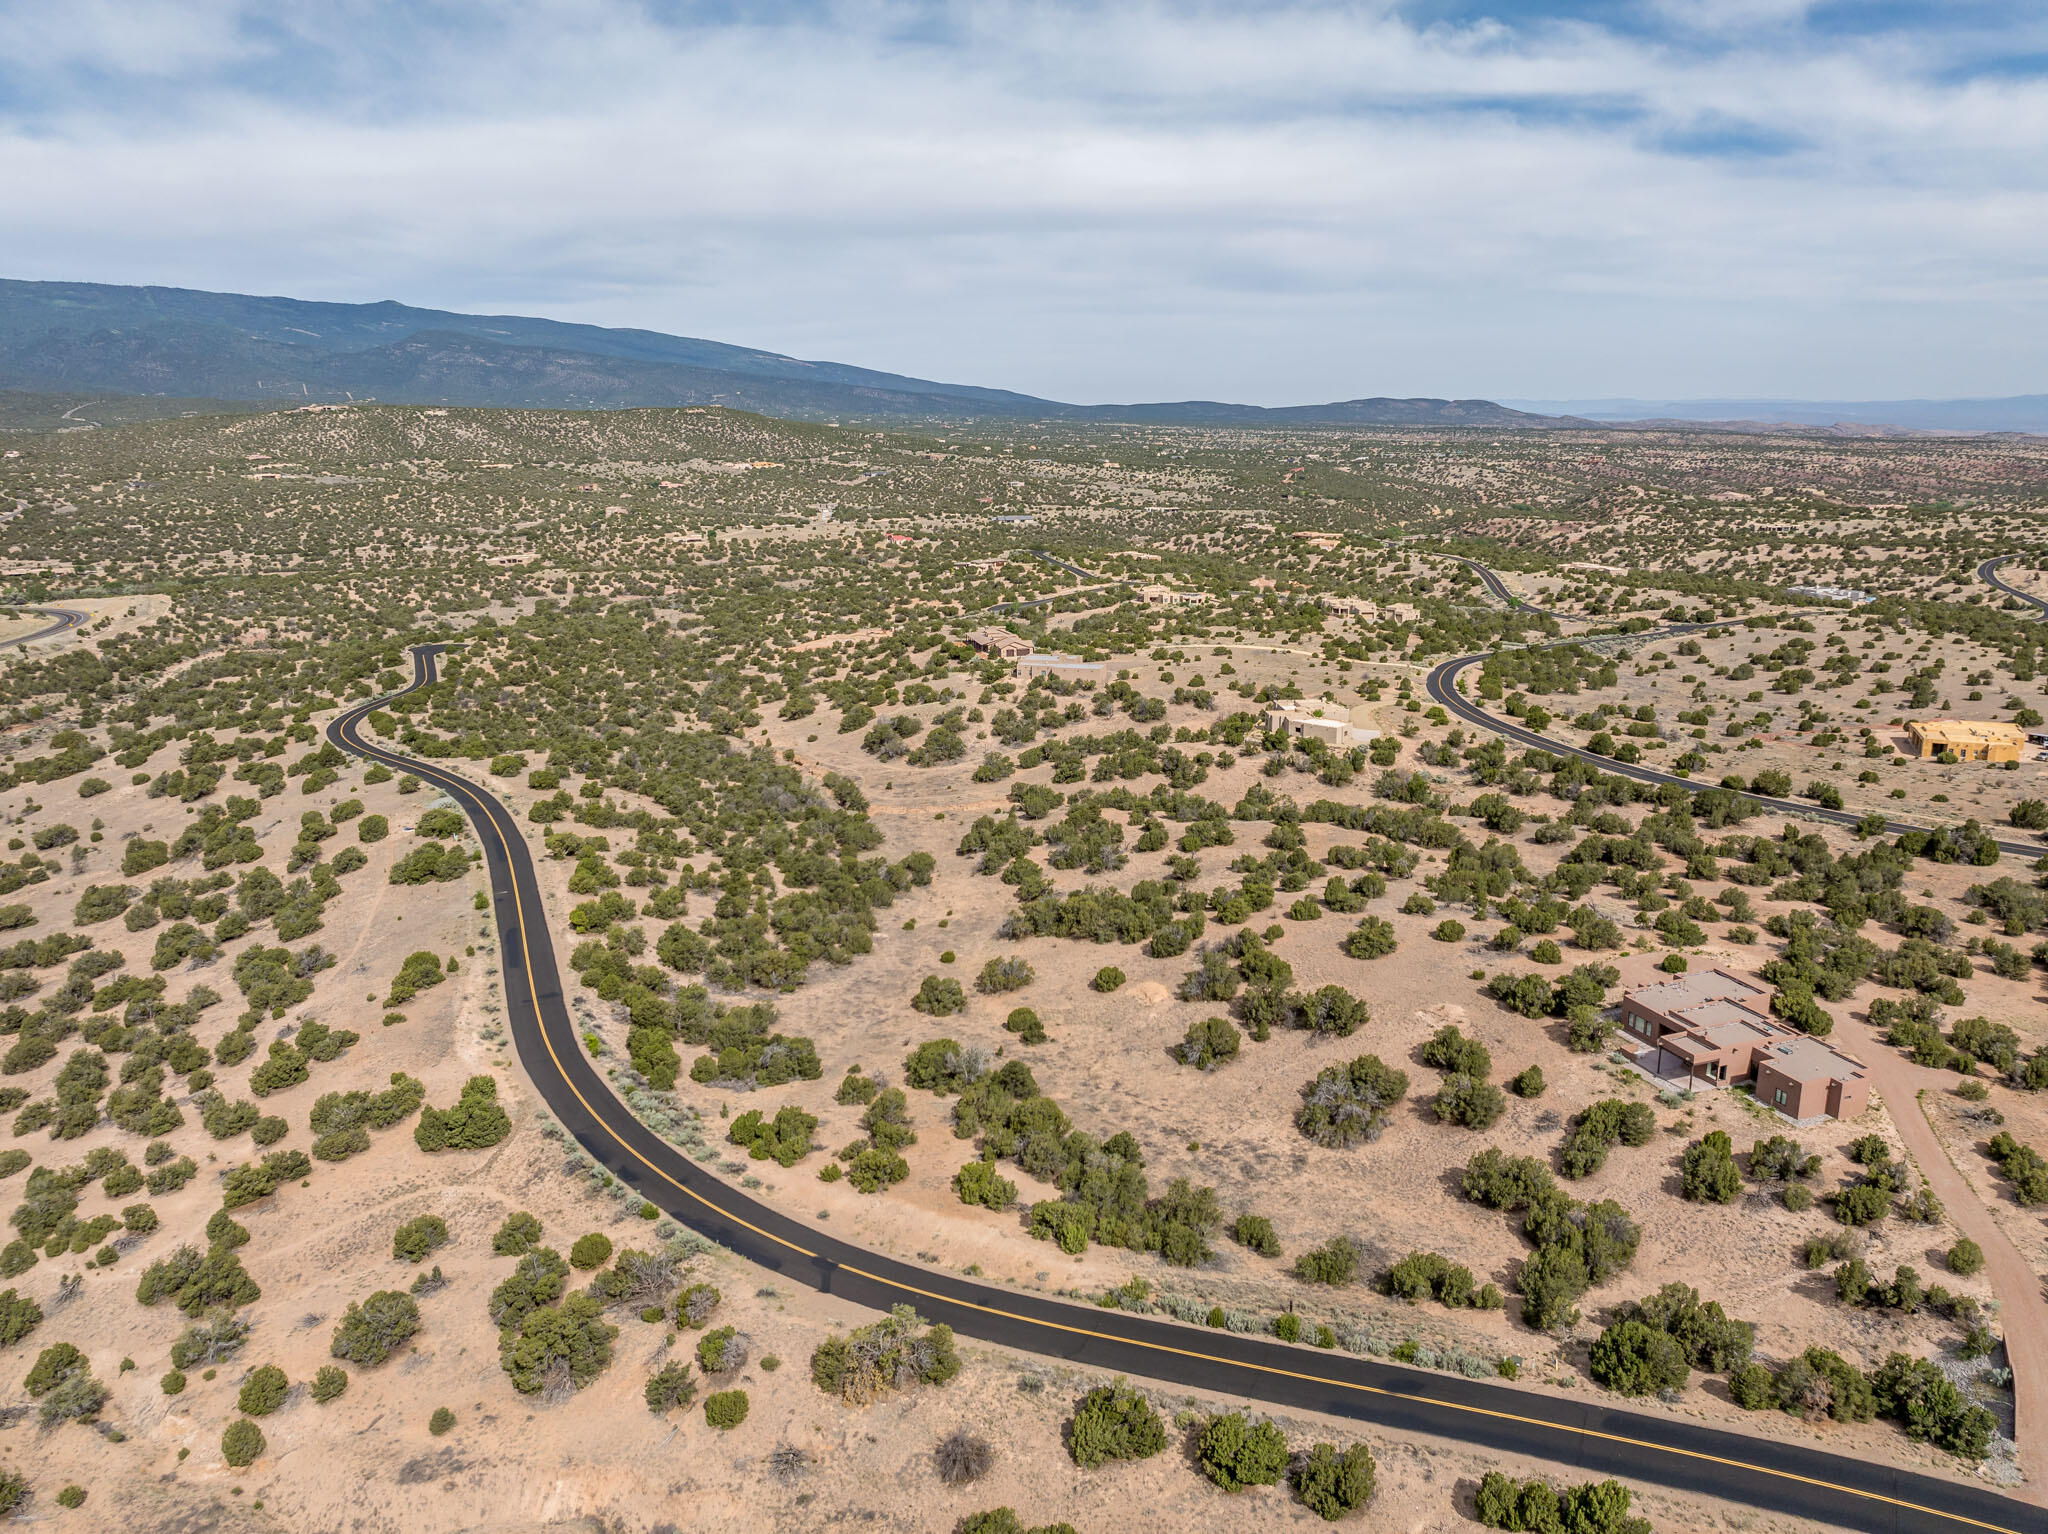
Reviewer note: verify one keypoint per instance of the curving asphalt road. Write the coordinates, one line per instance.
(1988, 572)
(1499, 588)
(67, 620)
(1588, 1436)
(1442, 684)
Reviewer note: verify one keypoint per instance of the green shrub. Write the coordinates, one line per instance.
(694, 1306)
(726, 1409)
(1026, 1024)
(442, 1420)
(1430, 1275)
(1594, 1130)
(785, 1139)
(978, 1183)
(71, 1496)
(1114, 1421)
(242, 1444)
(416, 974)
(329, 1381)
(1002, 975)
(370, 1332)
(591, 1252)
(1107, 979)
(721, 1351)
(172, 1383)
(1004, 1520)
(1352, 1104)
(939, 997)
(1707, 1171)
(1965, 1257)
(1334, 1262)
(872, 1360)
(518, 1235)
(1209, 1043)
(1638, 1360)
(670, 1386)
(1331, 1482)
(1256, 1232)
(1597, 1507)
(18, 1317)
(572, 1337)
(475, 1122)
(1235, 1452)
(413, 1240)
(1469, 1101)
(263, 1392)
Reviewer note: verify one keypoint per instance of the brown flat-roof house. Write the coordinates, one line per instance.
(1972, 740)
(1804, 1079)
(1715, 1028)
(999, 644)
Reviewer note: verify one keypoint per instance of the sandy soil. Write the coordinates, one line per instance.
(367, 1462)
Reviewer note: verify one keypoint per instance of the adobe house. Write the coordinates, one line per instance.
(1717, 1028)
(1972, 740)
(1321, 719)
(1169, 596)
(999, 644)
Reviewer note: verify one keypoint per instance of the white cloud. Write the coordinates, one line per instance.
(1286, 204)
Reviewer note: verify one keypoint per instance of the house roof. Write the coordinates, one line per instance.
(1805, 1059)
(1710, 1015)
(1969, 732)
(1672, 997)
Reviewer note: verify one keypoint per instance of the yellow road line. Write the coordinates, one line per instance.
(449, 780)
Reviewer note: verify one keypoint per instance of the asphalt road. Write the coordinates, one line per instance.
(1988, 572)
(67, 620)
(1442, 684)
(1588, 1437)
(1499, 588)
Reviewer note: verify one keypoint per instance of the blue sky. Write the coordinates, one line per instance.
(1277, 203)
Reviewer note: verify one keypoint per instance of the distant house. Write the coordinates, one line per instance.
(1322, 720)
(999, 644)
(1715, 1028)
(1015, 521)
(1068, 666)
(1348, 607)
(1169, 596)
(1833, 593)
(1972, 740)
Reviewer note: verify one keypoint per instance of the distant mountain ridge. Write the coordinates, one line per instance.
(2011, 413)
(233, 346)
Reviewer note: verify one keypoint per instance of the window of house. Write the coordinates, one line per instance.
(1779, 1096)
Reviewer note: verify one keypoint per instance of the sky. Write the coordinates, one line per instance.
(1274, 203)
